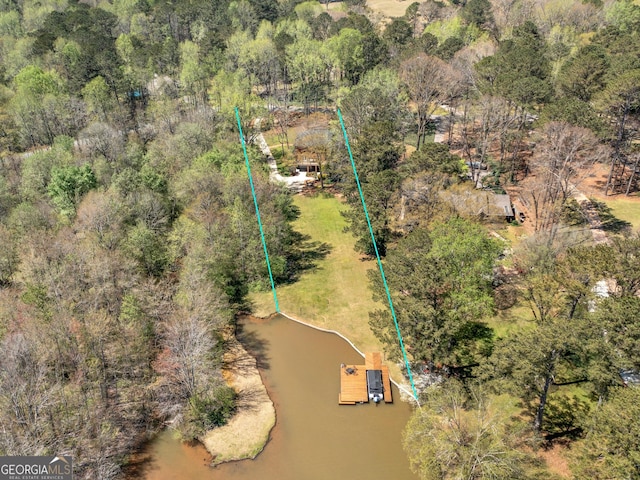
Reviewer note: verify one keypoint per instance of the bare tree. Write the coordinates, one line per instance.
(486, 123)
(101, 139)
(165, 113)
(503, 11)
(562, 161)
(189, 339)
(580, 17)
(462, 436)
(619, 100)
(26, 397)
(634, 158)
(465, 59)
(426, 80)
(282, 121)
(432, 11)
(102, 216)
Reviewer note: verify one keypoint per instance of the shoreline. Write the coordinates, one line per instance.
(404, 389)
(247, 433)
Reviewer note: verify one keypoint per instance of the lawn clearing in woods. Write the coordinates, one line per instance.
(334, 294)
(389, 8)
(625, 208)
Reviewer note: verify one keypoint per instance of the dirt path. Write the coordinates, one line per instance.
(248, 431)
(599, 235)
(442, 124)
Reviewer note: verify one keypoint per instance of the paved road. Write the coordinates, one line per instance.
(442, 124)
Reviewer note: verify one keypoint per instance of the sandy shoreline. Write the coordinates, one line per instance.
(247, 432)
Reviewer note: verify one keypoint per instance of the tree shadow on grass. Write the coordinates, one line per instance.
(563, 417)
(256, 346)
(251, 399)
(304, 256)
(609, 222)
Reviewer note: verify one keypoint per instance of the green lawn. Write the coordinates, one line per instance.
(514, 319)
(412, 138)
(335, 294)
(627, 209)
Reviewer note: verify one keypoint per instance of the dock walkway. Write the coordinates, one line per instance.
(353, 381)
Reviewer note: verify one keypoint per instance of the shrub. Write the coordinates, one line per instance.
(208, 412)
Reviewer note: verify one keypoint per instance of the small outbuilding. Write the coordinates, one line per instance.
(308, 165)
(483, 203)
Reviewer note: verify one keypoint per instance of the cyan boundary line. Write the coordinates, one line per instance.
(255, 202)
(375, 247)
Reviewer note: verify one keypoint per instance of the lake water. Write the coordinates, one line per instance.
(314, 438)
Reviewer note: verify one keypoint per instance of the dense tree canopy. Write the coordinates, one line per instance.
(440, 282)
(128, 231)
(460, 434)
(610, 448)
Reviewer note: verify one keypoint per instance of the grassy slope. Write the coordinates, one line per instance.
(626, 208)
(516, 318)
(335, 294)
(389, 8)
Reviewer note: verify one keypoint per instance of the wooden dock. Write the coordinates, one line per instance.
(353, 381)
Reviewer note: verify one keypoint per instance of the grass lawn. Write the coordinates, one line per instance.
(626, 208)
(514, 319)
(273, 140)
(412, 139)
(389, 8)
(335, 294)
(514, 234)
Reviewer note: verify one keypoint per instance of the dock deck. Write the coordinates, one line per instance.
(353, 381)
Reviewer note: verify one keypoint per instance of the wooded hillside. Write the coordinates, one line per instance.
(129, 241)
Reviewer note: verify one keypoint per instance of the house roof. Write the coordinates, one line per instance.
(503, 204)
(480, 202)
(374, 381)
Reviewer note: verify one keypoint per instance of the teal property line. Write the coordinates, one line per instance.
(375, 247)
(255, 202)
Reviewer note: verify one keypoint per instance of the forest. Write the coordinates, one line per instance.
(130, 244)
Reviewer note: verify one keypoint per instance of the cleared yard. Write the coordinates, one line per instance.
(389, 8)
(625, 208)
(334, 294)
(515, 319)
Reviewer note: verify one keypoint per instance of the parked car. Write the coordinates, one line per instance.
(476, 165)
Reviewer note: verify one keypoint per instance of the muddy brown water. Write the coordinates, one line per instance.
(314, 438)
